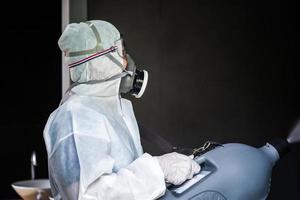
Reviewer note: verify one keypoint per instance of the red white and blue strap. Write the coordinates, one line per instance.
(95, 55)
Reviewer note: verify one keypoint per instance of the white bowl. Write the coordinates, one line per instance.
(29, 189)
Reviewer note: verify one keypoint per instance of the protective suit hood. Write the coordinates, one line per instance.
(81, 42)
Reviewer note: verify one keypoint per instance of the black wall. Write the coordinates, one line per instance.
(30, 86)
(219, 70)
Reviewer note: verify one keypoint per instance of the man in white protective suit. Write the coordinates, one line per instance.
(92, 138)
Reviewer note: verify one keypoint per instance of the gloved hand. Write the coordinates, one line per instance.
(177, 167)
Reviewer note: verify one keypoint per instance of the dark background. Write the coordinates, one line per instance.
(219, 70)
(30, 85)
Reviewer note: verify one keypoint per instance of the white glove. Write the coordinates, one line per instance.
(178, 167)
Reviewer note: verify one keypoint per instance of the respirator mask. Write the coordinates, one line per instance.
(135, 80)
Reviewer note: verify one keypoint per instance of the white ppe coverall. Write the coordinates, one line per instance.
(94, 149)
(92, 139)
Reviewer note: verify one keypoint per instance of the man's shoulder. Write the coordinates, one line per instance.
(73, 109)
(76, 117)
(74, 104)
